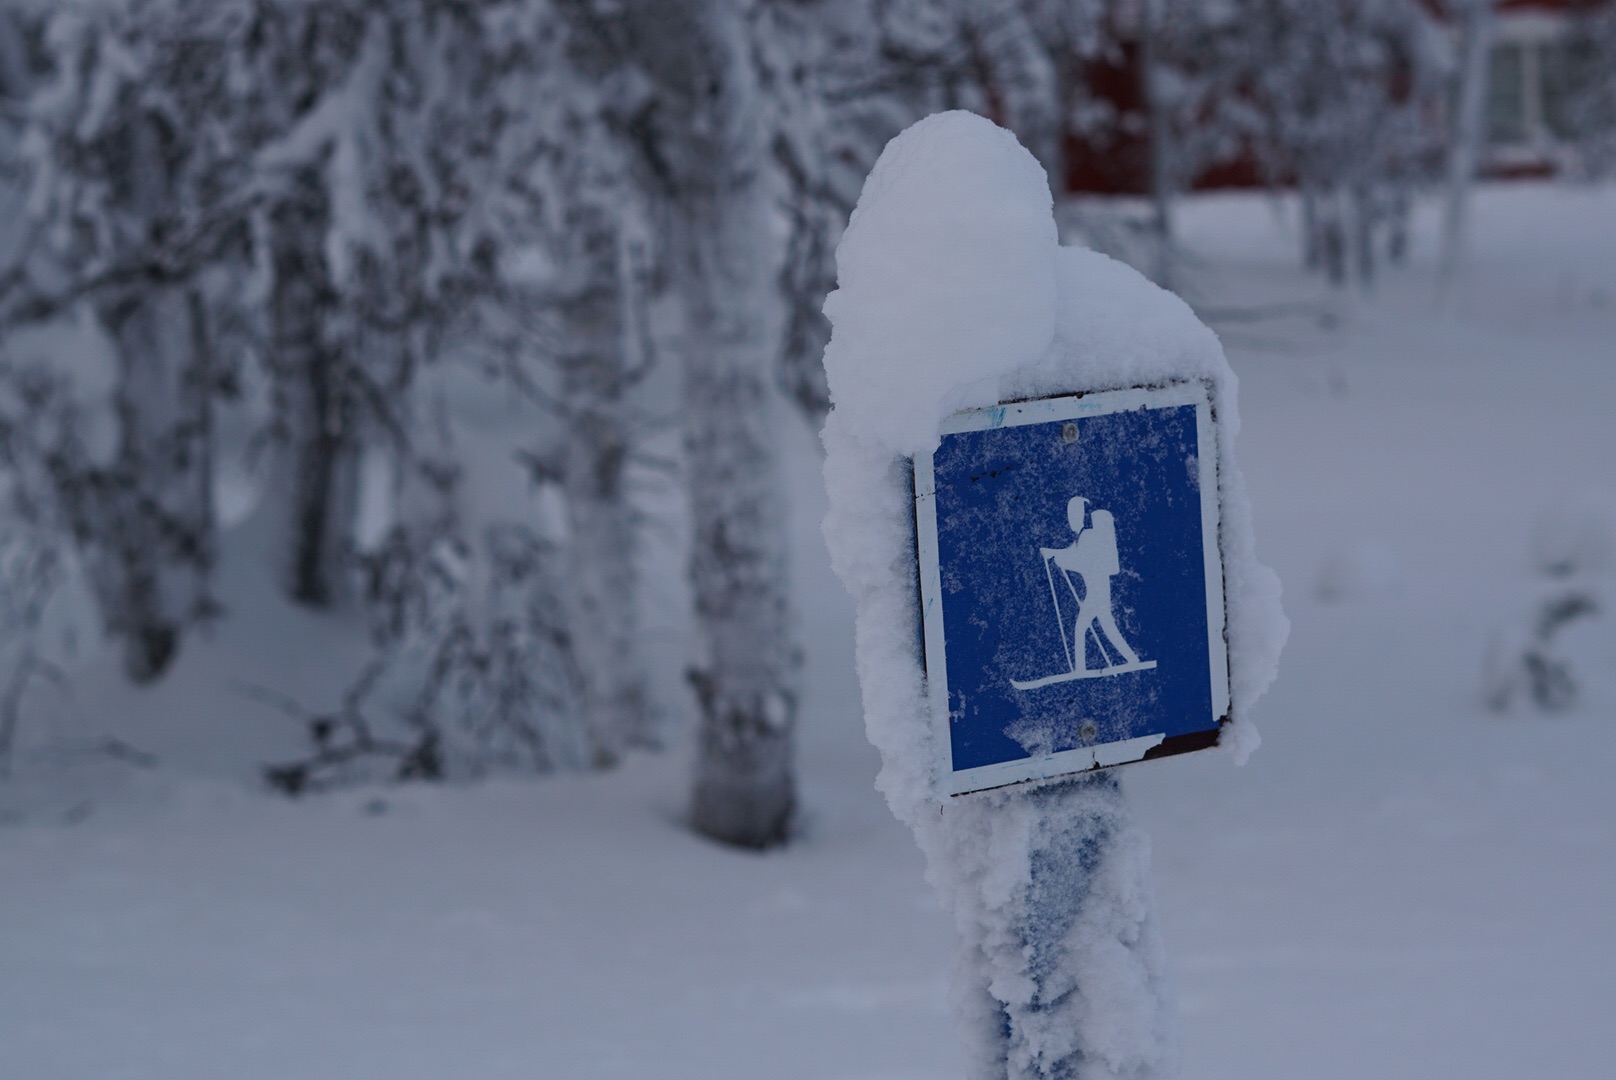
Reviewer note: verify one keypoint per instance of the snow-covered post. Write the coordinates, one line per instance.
(954, 295)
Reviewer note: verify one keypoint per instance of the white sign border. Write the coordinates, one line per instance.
(1043, 411)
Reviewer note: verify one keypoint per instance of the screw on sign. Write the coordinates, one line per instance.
(1031, 447)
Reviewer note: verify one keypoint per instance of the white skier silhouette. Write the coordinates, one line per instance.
(1092, 556)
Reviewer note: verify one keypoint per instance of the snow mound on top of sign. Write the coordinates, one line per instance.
(946, 277)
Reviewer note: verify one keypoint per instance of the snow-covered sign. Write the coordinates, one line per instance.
(1071, 584)
(1036, 422)
(975, 356)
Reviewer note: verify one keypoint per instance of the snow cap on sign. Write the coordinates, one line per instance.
(946, 273)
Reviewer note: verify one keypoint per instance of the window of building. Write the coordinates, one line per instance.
(1557, 63)
(1506, 95)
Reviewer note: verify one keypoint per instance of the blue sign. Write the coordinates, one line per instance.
(1072, 585)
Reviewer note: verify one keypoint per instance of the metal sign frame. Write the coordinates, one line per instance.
(1100, 755)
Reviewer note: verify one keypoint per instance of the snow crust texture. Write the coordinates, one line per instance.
(953, 293)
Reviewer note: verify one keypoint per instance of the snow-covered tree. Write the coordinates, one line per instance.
(568, 194)
(1588, 87)
(1340, 98)
(337, 197)
(688, 97)
(132, 231)
(497, 211)
(362, 287)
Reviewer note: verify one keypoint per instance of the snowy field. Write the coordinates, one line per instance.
(1401, 883)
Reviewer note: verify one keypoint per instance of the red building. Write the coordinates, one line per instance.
(1531, 74)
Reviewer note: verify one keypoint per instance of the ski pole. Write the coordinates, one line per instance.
(1060, 623)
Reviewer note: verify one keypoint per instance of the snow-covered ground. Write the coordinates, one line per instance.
(1401, 883)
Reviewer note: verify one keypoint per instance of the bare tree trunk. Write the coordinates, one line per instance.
(1467, 135)
(136, 489)
(1333, 237)
(1161, 144)
(1362, 208)
(1312, 249)
(202, 382)
(316, 482)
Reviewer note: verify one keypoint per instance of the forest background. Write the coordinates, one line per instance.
(267, 265)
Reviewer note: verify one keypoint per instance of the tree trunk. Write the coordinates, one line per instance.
(702, 152)
(1468, 133)
(314, 415)
(1312, 257)
(744, 790)
(141, 512)
(1161, 144)
(1363, 235)
(139, 490)
(719, 232)
(601, 594)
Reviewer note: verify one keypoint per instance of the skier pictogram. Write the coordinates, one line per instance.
(1092, 559)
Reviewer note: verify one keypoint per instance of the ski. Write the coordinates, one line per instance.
(1082, 673)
